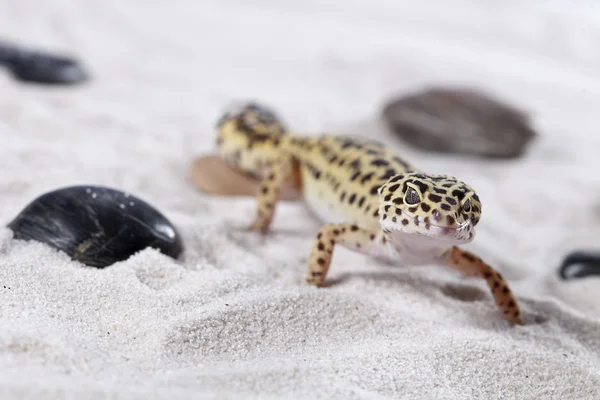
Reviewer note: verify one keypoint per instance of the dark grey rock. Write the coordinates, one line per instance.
(96, 225)
(40, 66)
(579, 264)
(459, 120)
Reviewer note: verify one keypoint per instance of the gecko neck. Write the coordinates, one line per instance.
(419, 249)
(296, 145)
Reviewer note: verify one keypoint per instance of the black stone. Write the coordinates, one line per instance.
(580, 264)
(95, 225)
(41, 67)
(461, 121)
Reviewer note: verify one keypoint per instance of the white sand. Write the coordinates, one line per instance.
(233, 319)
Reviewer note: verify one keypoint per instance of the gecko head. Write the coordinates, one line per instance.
(435, 207)
(251, 119)
(248, 136)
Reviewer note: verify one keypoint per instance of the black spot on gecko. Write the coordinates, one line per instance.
(468, 257)
(450, 200)
(425, 207)
(346, 144)
(374, 190)
(439, 190)
(458, 193)
(388, 174)
(435, 198)
(380, 163)
(355, 164)
(366, 177)
(354, 176)
(352, 198)
(361, 201)
(397, 178)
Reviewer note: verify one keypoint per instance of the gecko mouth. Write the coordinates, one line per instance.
(407, 223)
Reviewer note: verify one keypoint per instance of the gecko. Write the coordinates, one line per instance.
(368, 199)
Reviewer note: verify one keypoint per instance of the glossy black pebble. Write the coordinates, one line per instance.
(96, 225)
(579, 264)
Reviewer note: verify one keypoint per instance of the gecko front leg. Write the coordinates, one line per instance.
(350, 236)
(471, 265)
(268, 193)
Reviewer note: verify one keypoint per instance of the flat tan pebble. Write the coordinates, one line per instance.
(212, 175)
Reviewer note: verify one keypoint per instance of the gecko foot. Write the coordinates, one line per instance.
(258, 226)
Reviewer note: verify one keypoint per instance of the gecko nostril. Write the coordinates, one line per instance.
(451, 220)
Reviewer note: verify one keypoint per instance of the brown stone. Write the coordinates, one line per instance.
(212, 175)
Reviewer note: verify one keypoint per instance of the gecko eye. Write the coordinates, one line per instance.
(467, 205)
(412, 196)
